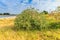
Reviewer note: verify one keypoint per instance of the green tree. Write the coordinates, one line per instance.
(6, 13)
(44, 12)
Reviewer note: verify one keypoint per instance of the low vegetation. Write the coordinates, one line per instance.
(31, 19)
(31, 25)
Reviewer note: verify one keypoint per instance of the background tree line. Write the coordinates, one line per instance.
(4, 13)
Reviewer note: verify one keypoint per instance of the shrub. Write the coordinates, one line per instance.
(30, 19)
(54, 25)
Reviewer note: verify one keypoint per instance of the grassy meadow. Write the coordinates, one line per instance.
(7, 31)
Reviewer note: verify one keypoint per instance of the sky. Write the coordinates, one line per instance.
(17, 6)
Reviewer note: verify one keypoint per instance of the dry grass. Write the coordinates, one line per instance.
(7, 22)
(10, 34)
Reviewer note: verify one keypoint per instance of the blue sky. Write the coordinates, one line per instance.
(17, 6)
